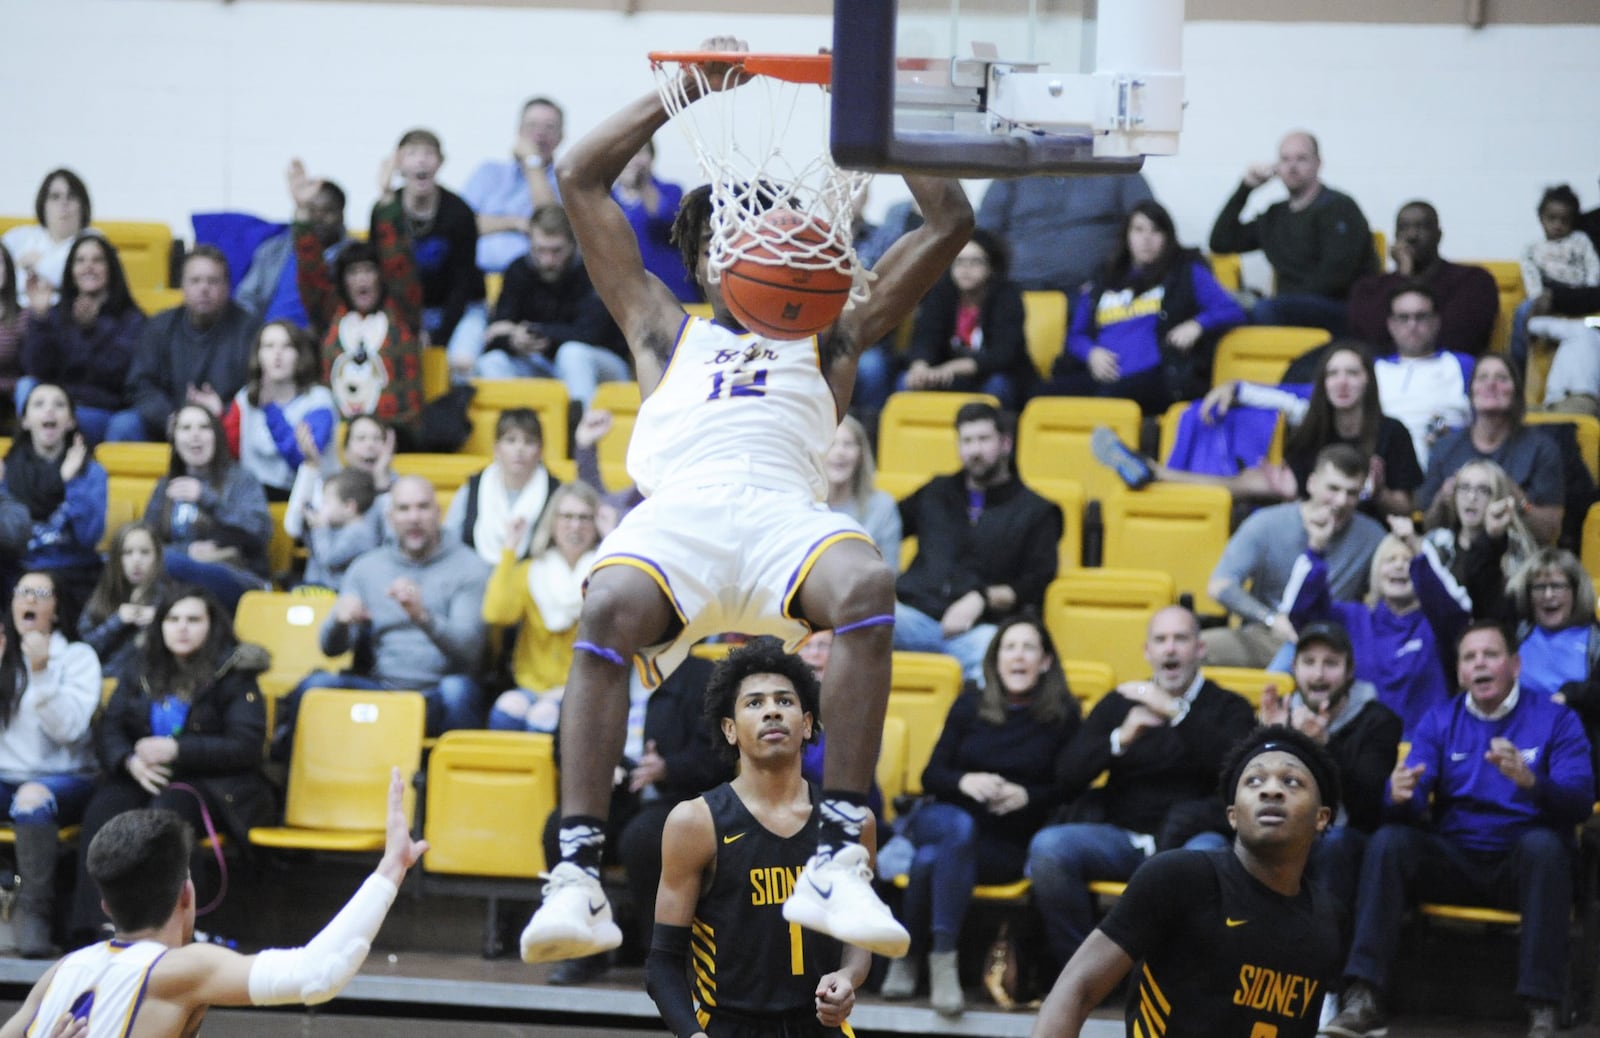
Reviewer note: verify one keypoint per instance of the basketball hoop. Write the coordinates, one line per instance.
(755, 146)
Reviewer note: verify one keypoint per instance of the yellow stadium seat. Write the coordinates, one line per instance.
(1228, 269)
(891, 773)
(1089, 681)
(447, 472)
(144, 248)
(1590, 548)
(1587, 429)
(121, 508)
(1508, 281)
(289, 627)
(1044, 315)
(8, 222)
(547, 396)
(280, 546)
(488, 795)
(1249, 682)
(1068, 495)
(921, 691)
(1380, 249)
(917, 438)
(1261, 353)
(134, 459)
(1176, 527)
(700, 310)
(435, 372)
(492, 283)
(1101, 614)
(1174, 415)
(345, 744)
(622, 400)
(154, 300)
(1053, 440)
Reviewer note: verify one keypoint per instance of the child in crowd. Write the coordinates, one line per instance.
(280, 406)
(338, 530)
(123, 603)
(368, 446)
(1563, 258)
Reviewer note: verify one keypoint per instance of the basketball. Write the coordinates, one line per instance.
(775, 299)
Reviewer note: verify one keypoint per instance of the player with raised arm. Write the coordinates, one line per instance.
(1230, 941)
(730, 858)
(149, 982)
(734, 534)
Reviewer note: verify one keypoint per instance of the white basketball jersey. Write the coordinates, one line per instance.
(735, 408)
(110, 978)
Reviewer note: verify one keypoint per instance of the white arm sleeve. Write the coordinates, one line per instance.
(320, 970)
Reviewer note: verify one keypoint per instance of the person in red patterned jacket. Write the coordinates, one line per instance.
(371, 304)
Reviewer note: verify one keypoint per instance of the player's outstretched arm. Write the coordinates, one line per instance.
(915, 262)
(1097, 967)
(207, 974)
(688, 847)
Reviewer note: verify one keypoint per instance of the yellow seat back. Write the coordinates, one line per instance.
(154, 300)
(1250, 682)
(1590, 548)
(1176, 527)
(1044, 317)
(1228, 269)
(1101, 614)
(134, 459)
(920, 693)
(1585, 427)
(144, 248)
(1053, 440)
(1508, 282)
(1261, 353)
(435, 372)
(345, 743)
(1068, 495)
(623, 401)
(547, 396)
(917, 438)
(1089, 681)
(288, 626)
(488, 796)
(447, 472)
(891, 773)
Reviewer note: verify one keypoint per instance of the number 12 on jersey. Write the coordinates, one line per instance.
(738, 382)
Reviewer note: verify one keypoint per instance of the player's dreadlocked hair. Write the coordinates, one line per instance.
(691, 225)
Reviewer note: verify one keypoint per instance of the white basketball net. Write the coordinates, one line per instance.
(753, 147)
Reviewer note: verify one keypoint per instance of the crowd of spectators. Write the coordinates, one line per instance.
(297, 379)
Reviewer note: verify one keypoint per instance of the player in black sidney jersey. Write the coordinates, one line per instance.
(1227, 943)
(730, 858)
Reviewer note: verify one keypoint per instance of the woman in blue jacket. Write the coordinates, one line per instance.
(1147, 329)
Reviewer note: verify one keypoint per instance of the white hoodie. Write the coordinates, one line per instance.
(48, 733)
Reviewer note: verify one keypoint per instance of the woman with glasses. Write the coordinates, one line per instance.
(1480, 534)
(49, 689)
(1552, 602)
(543, 593)
(1497, 432)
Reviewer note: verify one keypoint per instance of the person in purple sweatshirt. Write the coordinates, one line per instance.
(1147, 328)
(1403, 630)
(1483, 810)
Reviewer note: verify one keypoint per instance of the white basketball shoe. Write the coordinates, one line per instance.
(836, 897)
(573, 920)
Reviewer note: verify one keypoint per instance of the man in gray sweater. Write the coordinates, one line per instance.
(412, 610)
(1263, 550)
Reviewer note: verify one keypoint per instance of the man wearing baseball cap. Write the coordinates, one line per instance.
(1227, 941)
(1362, 736)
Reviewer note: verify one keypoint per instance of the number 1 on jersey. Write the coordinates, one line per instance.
(738, 382)
(797, 951)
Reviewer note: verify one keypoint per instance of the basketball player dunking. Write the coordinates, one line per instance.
(1231, 941)
(733, 535)
(729, 860)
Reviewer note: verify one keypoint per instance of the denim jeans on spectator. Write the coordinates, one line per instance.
(1336, 864)
(916, 631)
(1302, 311)
(69, 795)
(455, 702)
(226, 583)
(943, 873)
(1064, 859)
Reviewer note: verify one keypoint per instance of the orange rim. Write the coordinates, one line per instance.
(791, 68)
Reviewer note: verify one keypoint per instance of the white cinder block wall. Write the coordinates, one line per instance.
(167, 107)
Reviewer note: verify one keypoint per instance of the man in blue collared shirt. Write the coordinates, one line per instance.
(504, 193)
(1485, 806)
